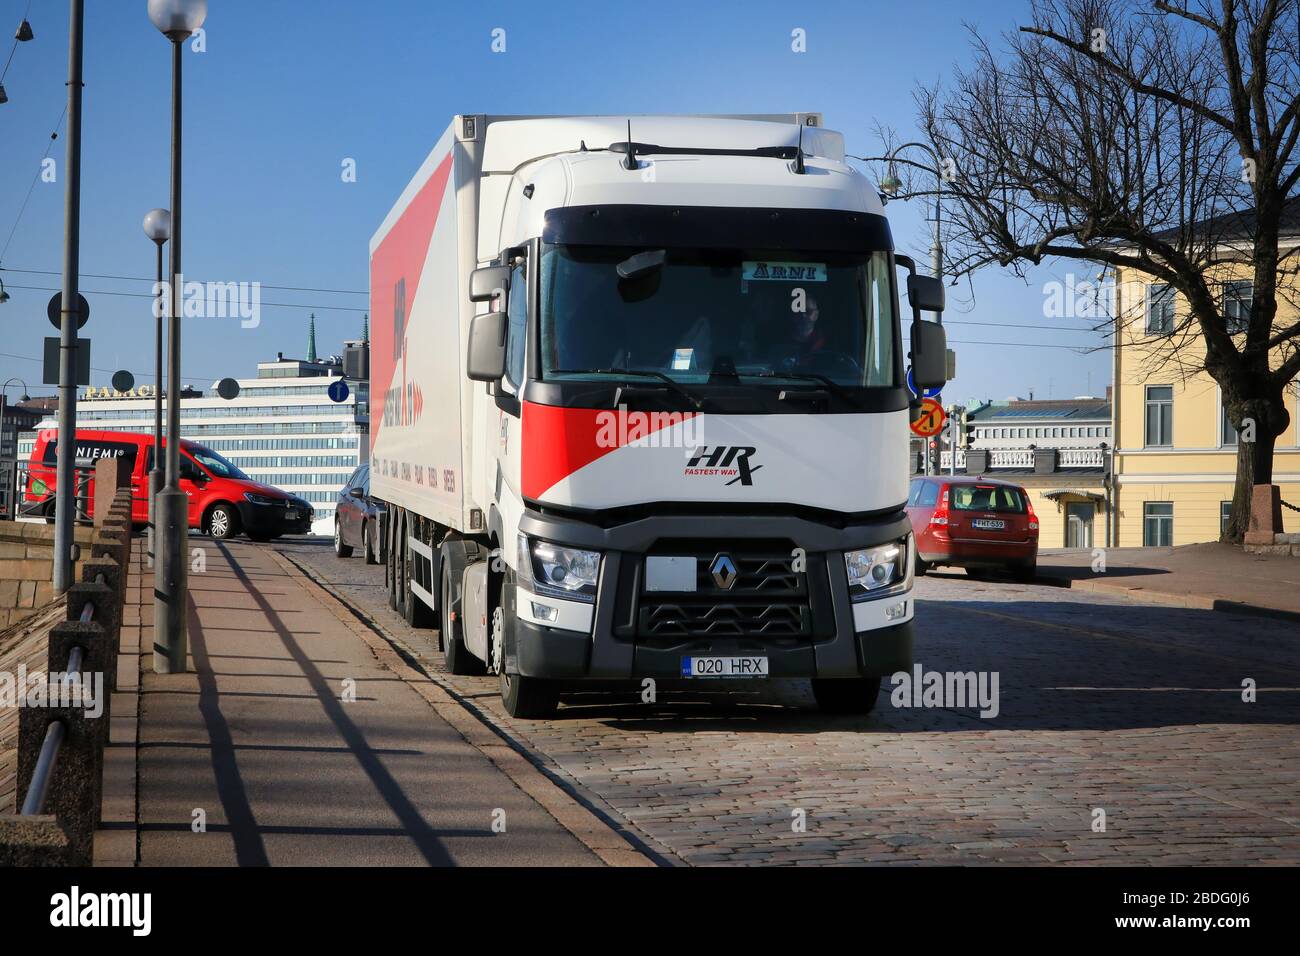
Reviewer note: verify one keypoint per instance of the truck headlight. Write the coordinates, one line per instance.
(875, 572)
(557, 570)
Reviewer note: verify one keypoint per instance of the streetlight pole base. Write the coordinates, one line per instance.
(171, 564)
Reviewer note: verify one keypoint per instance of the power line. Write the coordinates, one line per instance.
(96, 368)
(14, 48)
(148, 295)
(1036, 345)
(30, 189)
(265, 285)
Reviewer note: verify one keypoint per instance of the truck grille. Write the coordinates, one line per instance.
(768, 598)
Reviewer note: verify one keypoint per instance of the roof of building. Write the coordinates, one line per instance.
(1242, 224)
(1073, 409)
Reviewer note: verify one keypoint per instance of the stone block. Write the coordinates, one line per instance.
(1265, 512)
(76, 785)
(35, 841)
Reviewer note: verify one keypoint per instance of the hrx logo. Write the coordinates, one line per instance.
(727, 461)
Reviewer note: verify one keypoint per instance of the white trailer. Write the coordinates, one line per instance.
(638, 405)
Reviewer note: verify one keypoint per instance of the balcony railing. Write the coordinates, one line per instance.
(1024, 458)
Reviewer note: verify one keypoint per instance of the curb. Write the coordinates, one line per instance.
(606, 842)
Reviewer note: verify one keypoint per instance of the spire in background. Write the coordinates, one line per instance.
(365, 328)
(311, 338)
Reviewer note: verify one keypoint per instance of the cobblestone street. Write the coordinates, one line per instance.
(1105, 705)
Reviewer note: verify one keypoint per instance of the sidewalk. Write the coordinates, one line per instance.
(300, 738)
(1204, 576)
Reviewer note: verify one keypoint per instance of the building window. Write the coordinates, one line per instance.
(1158, 524)
(1160, 416)
(1160, 309)
(1238, 296)
(1227, 434)
(1225, 515)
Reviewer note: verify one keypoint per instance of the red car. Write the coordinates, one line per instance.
(973, 523)
(223, 500)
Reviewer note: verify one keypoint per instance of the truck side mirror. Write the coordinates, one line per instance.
(489, 282)
(929, 354)
(925, 293)
(486, 358)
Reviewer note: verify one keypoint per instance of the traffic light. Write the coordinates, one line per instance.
(965, 430)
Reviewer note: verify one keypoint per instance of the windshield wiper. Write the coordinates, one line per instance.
(672, 383)
(831, 384)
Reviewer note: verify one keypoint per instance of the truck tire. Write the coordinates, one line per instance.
(454, 652)
(849, 695)
(528, 698)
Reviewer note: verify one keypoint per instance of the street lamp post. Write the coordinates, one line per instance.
(176, 20)
(10, 490)
(891, 185)
(158, 227)
(64, 490)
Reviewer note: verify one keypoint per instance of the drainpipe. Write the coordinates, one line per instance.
(1112, 517)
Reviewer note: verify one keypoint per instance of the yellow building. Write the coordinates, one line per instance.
(1175, 452)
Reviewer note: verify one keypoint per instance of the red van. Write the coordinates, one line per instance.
(973, 523)
(223, 500)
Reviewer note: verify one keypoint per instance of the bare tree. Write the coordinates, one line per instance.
(1159, 138)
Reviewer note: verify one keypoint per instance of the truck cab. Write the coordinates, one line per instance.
(684, 413)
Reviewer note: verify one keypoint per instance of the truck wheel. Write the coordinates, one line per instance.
(528, 698)
(223, 522)
(368, 545)
(454, 652)
(340, 549)
(852, 695)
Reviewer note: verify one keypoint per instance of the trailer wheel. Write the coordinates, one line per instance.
(393, 569)
(414, 610)
(528, 698)
(454, 652)
(851, 695)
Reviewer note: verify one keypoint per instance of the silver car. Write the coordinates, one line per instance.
(356, 519)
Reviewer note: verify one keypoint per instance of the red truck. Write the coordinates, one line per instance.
(223, 500)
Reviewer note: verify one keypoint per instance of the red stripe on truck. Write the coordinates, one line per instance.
(399, 258)
(559, 441)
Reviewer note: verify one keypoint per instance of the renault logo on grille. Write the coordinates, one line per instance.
(724, 572)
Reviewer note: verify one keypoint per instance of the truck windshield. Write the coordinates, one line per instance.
(748, 315)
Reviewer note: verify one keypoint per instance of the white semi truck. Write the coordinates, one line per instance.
(639, 407)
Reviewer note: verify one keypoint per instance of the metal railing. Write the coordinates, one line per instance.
(38, 790)
(82, 499)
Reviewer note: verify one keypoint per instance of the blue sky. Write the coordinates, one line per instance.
(286, 91)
